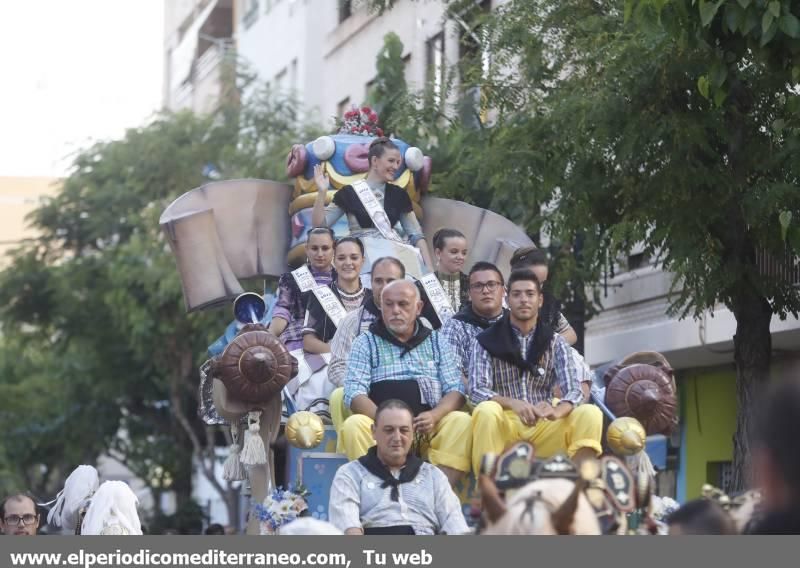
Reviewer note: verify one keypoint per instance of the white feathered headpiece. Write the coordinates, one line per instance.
(78, 490)
(112, 511)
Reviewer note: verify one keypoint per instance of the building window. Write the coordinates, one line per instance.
(249, 12)
(368, 88)
(473, 39)
(342, 107)
(638, 260)
(435, 67)
(293, 75)
(345, 9)
(280, 81)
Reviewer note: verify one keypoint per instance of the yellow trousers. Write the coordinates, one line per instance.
(494, 429)
(450, 445)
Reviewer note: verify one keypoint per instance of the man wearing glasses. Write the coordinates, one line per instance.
(18, 516)
(485, 307)
(514, 368)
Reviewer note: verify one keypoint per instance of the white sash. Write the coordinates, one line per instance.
(330, 303)
(375, 211)
(437, 296)
(327, 299)
(304, 278)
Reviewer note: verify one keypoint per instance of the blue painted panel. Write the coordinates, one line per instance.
(317, 470)
(656, 448)
(293, 455)
(681, 485)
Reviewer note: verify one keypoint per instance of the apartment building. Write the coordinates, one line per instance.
(198, 43)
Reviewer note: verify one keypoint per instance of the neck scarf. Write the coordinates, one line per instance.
(501, 342)
(421, 333)
(376, 467)
(470, 316)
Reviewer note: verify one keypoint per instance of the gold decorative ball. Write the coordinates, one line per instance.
(304, 430)
(626, 436)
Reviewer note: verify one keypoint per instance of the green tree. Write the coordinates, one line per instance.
(388, 95)
(672, 123)
(97, 353)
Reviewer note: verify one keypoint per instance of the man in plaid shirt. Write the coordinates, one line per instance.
(484, 308)
(399, 358)
(514, 367)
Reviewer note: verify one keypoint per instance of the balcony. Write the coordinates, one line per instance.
(634, 318)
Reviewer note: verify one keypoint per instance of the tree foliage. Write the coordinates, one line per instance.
(97, 353)
(671, 123)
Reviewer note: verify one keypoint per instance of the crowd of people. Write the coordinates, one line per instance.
(419, 394)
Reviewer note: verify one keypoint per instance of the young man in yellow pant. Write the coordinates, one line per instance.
(514, 367)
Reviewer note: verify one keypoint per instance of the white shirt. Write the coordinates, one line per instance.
(427, 503)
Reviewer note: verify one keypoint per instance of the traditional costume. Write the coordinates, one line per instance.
(291, 305)
(72, 502)
(366, 494)
(462, 329)
(318, 321)
(314, 385)
(418, 372)
(505, 363)
(395, 202)
(456, 288)
(354, 324)
(112, 511)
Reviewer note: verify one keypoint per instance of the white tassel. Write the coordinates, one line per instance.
(233, 469)
(253, 452)
(641, 463)
(78, 489)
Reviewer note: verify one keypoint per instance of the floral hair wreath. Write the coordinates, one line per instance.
(360, 121)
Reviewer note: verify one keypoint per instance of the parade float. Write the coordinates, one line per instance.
(228, 232)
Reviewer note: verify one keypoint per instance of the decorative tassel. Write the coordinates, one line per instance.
(253, 452)
(640, 463)
(233, 469)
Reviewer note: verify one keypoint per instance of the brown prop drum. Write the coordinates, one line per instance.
(255, 366)
(646, 393)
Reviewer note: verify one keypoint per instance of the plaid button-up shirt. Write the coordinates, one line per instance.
(460, 335)
(431, 363)
(490, 377)
(353, 324)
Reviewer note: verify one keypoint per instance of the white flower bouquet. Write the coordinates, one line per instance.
(280, 507)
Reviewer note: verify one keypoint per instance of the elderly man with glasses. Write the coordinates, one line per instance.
(18, 516)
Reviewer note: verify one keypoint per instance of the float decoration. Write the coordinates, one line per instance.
(360, 121)
(280, 508)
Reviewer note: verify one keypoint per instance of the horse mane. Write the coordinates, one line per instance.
(529, 510)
